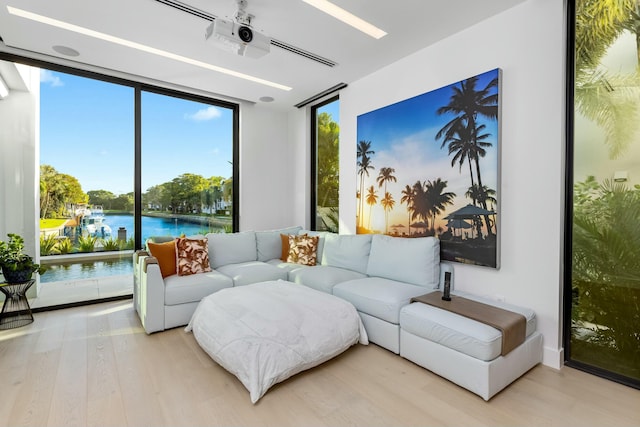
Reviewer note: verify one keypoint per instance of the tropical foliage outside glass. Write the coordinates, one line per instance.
(605, 273)
(327, 166)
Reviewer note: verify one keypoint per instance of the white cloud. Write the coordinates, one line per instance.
(209, 113)
(47, 77)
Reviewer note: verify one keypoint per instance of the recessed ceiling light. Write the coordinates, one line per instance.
(144, 48)
(65, 50)
(266, 98)
(347, 17)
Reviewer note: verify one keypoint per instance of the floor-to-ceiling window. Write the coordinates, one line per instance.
(86, 185)
(187, 166)
(325, 175)
(120, 162)
(602, 292)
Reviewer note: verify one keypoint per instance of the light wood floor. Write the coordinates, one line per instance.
(94, 366)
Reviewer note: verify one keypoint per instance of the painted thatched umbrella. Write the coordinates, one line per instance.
(396, 227)
(471, 212)
(458, 224)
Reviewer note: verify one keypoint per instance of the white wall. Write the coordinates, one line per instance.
(300, 145)
(528, 43)
(19, 160)
(266, 169)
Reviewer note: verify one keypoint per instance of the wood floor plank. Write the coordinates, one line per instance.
(133, 351)
(69, 400)
(96, 366)
(16, 366)
(105, 406)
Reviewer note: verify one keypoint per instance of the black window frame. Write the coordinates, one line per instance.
(313, 190)
(138, 88)
(567, 294)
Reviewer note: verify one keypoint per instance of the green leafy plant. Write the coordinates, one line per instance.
(48, 244)
(64, 246)
(112, 244)
(605, 274)
(87, 243)
(14, 259)
(130, 243)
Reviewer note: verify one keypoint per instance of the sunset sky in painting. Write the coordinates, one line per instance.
(403, 136)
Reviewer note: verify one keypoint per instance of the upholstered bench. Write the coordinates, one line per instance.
(465, 351)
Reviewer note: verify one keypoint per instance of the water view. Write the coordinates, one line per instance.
(87, 270)
(151, 226)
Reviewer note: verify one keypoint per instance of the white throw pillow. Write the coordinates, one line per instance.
(231, 248)
(414, 260)
(349, 251)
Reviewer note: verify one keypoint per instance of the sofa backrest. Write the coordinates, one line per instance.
(350, 251)
(269, 244)
(414, 260)
(231, 248)
(321, 238)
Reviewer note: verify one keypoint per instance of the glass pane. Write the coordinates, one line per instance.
(187, 169)
(327, 166)
(606, 201)
(86, 180)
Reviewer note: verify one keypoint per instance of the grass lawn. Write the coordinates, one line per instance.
(52, 223)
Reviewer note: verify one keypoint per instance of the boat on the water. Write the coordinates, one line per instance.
(92, 221)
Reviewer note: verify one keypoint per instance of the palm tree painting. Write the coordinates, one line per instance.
(437, 154)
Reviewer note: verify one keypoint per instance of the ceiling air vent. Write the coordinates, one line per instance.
(301, 52)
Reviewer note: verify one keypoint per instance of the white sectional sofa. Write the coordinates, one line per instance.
(378, 274)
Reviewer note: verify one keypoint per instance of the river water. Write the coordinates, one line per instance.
(151, 226)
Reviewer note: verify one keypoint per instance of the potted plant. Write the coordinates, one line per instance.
(16, 265)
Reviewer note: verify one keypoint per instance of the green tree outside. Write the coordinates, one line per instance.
(328, 169)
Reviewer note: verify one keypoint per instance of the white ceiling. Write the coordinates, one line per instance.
(411, 25)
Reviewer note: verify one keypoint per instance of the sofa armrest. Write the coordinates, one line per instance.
(138, 257)
(150, 260)
(151, 293)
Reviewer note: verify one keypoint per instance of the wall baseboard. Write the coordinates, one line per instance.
(553, 357)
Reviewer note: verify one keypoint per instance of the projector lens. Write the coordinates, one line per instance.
(245, 34)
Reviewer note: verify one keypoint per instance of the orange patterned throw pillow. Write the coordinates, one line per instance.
(165, 253)
(303, 249)
(192, 256)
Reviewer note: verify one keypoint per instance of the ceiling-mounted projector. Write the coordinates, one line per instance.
(237, 38)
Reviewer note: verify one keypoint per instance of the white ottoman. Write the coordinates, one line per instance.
(465, 351)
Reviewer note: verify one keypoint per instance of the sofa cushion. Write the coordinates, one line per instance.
(192, 288)
(165, 253)
(246, 273)
(268, 243)
(378, 297)
(231, 248)
(322, 277)
(191, 256)
(413, 260)
(460, 333)
(286, 266)
(350, 251)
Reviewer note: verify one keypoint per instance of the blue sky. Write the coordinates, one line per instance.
(403, 138)
(333, 109)
(87, 131)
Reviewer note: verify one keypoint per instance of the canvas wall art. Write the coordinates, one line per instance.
(429, 166)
